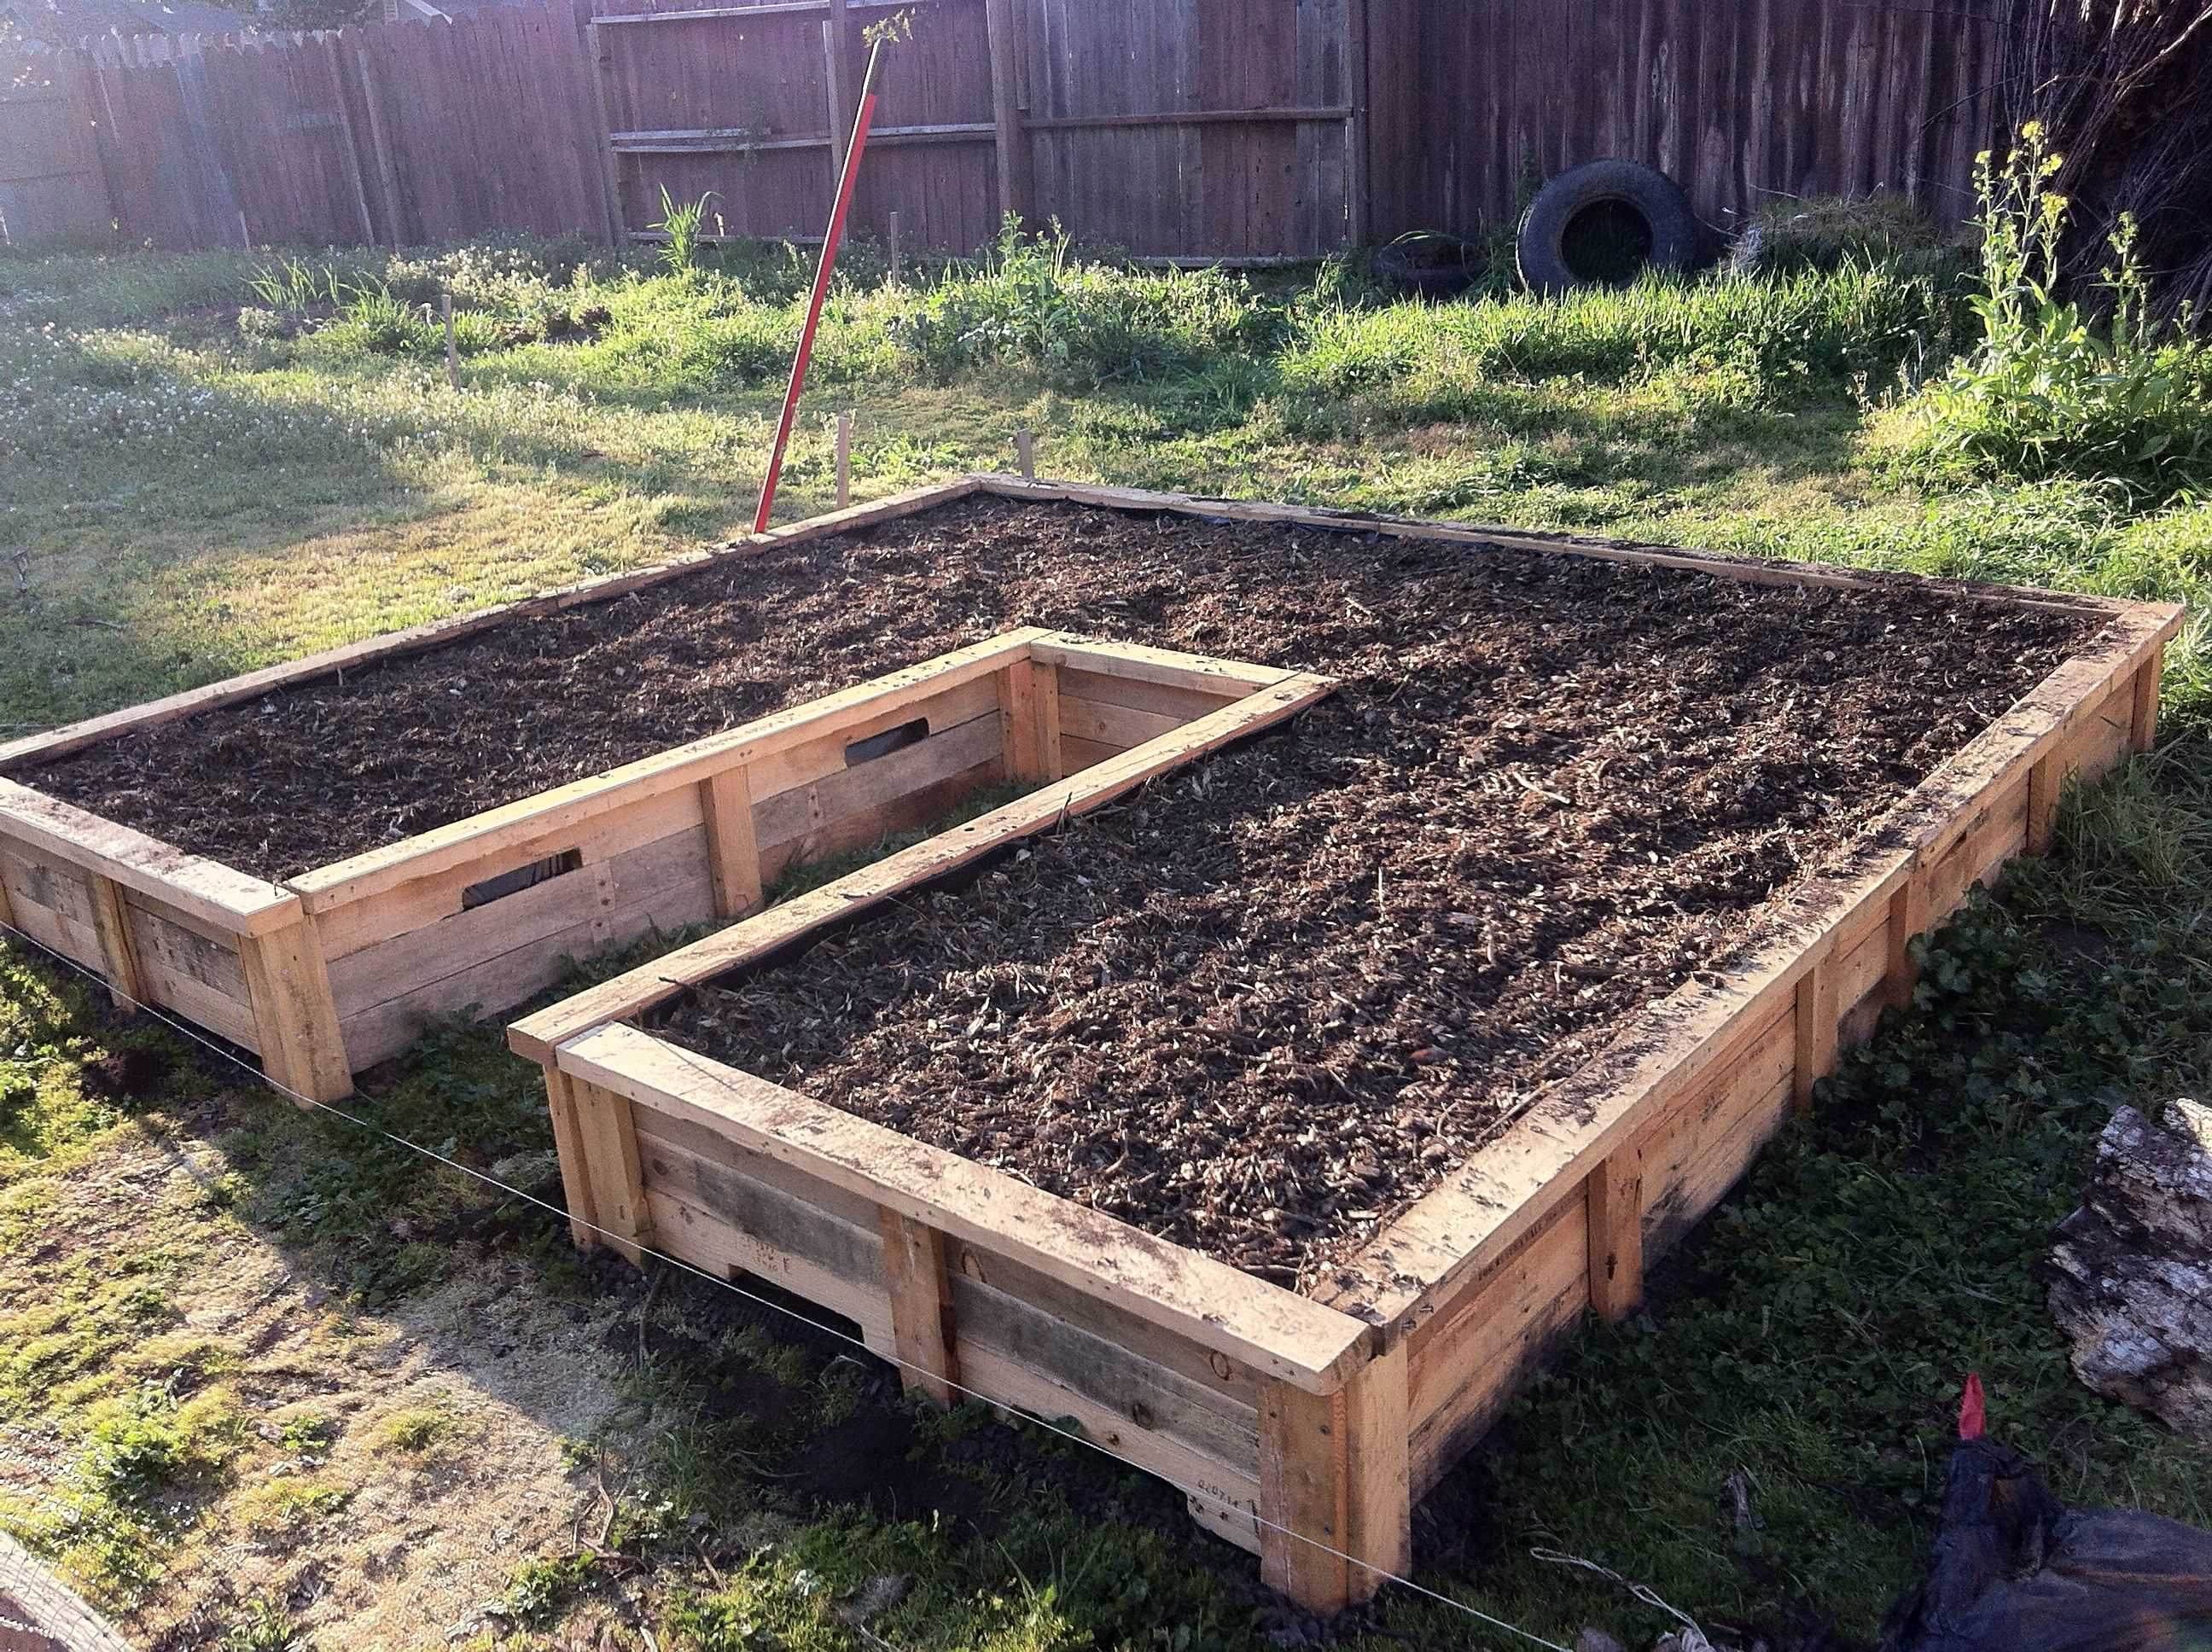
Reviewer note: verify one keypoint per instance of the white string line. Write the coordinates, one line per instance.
(629, 1242)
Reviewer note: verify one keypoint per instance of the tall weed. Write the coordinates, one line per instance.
(2051, 390)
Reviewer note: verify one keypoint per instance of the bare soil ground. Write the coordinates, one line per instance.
(386, 1472)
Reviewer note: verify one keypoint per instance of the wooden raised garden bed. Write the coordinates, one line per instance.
(1324, 1411)
(328, 972)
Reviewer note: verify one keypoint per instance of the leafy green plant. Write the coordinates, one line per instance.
(683, 225)
(2051, 390)
(262, 1626)
(371, 317)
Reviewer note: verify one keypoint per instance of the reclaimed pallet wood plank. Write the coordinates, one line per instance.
(1279, 1333)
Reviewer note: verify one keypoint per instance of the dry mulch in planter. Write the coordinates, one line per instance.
(1263, 1007)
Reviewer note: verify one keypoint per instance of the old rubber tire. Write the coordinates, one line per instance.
(1606, 222)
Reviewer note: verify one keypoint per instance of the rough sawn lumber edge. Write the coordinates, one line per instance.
(231, 901)
(34, 749)
(1275, 1330)
(1543, 1158)
(537, 1036)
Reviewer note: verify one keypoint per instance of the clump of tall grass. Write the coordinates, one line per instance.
(1032, 301)
(1766, 337)
(2051, 389)
(684, 225)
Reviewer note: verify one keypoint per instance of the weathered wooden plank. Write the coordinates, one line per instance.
(1104, 723)
(653, 818)
(609, 1141)
(1109, 689)
(1281, 1335)
(1747, 569)
(808, 811)
(295, 1017)
(1079, 755)
(1819, 1015)
(822, 754)
(661, 887)
(1615, 1220)
(118, 949)
(685, 1231)
(923, 1339)
(733, 857)
(1335, 1486)
(666, 879)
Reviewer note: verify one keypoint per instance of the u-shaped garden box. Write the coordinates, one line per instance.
(1287, 1416)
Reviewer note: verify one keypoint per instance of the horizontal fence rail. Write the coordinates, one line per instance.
(1181, 130)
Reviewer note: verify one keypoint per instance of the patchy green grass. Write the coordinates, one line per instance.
(212, 462)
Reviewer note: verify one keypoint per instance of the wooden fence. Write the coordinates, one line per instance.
(1186, 130)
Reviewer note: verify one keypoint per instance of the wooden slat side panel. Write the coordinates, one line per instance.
(1283, 1335)
(813, 810)
(997, 1329)
(1468, 1360)
(1741, 1103)
(867, 828)
(1165, 699)
(496, 957)
(824, 756)
(52, 904)
(1079, 754)
(202, 980)
(354, 926)
(693, 1234)
(1099, 722)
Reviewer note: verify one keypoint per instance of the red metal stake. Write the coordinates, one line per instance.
(798, 362)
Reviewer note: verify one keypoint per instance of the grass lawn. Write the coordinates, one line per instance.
(263, 1375)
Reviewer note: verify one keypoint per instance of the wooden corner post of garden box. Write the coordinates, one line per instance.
(296, 1017)
(1336, 1486)
(1029, 708)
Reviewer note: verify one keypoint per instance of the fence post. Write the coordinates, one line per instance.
(334, 54)
(1357, 177)
(836, 38)
(1003, 20)
(387, 176)
(595, 68)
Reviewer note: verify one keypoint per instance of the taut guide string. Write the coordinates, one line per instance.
(285, 1091)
